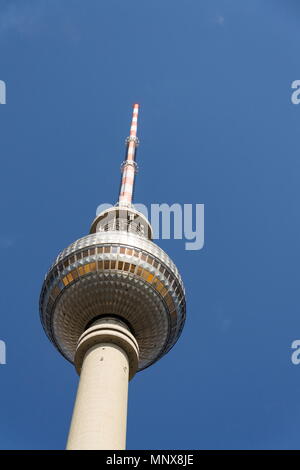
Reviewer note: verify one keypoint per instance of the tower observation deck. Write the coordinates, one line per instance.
(112, 303)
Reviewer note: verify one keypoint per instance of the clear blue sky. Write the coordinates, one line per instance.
(217, 127)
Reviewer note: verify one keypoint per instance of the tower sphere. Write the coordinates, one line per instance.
(116, 271)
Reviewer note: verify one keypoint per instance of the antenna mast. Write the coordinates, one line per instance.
(129, 166)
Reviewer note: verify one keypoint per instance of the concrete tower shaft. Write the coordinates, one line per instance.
(100, 411)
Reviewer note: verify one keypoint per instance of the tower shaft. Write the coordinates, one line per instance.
(107, 356)
(99, 419)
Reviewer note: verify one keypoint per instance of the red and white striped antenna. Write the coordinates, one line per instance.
(129, 166)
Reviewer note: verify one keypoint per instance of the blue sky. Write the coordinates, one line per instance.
(217, 127)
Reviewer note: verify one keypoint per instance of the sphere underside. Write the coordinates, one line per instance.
(120, 274)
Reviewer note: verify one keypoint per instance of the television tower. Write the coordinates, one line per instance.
(112, 303)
